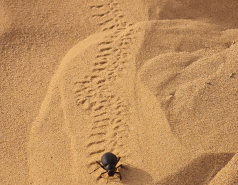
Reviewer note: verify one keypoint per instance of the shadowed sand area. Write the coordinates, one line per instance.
(154, 82)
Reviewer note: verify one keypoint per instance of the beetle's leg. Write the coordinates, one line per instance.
(107, 179)
(119, 175)
(101, 165)
(95, 169)
(118, 159)
(102, 174)
(120, 166)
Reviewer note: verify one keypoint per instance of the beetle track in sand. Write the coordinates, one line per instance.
(107, 110)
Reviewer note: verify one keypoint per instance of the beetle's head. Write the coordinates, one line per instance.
(111, 173)
(111, 169)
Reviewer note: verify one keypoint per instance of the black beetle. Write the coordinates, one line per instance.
(109, 161)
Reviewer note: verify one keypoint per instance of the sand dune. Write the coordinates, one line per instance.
(154, 82)
(195, 90)
(95, 103)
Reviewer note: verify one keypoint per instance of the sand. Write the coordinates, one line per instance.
(154, 82)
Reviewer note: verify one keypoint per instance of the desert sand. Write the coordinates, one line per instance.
(153, 81)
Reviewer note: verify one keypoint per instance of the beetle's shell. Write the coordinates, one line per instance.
(109, 158)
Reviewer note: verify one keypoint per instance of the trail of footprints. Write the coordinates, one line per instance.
(108, 15)
(93, 93)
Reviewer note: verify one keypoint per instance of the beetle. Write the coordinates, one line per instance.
(109, 162)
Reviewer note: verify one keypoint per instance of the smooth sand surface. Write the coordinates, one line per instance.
(154, 82)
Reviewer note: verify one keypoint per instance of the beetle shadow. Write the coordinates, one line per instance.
(130, 175)
(133, 175)
(200, 171)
